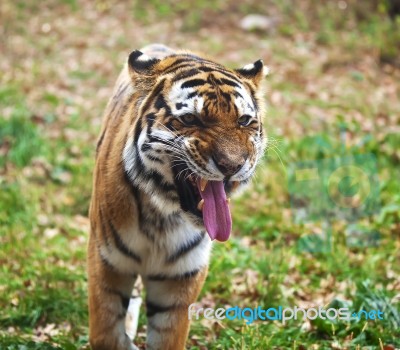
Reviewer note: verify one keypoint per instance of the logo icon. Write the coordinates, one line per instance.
(338, 188)
(349, 186)
(345, 187)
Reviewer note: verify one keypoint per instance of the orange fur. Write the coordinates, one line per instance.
(128, 237)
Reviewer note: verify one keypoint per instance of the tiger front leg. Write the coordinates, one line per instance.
(167, 302)
(109, 296)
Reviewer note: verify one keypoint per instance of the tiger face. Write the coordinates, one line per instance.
(198, 135)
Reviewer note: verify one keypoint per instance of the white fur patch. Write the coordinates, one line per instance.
(144, 58)
(177, 95)
(132, 317)
(244, 103)
(128, 156)
(249, 66)
(164, 204)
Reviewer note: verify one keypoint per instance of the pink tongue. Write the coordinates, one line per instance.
(216, 213)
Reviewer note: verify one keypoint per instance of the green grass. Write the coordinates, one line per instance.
(333, 92)
(20, 134)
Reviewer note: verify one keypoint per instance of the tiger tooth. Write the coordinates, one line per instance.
(203, 184)
(228, 200)
(235, 185)
(200, 205)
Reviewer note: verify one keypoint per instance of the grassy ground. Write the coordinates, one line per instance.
(333, 92)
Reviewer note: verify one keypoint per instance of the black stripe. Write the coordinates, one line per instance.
(150, 324)
(100, 141)
(182, 277)
(153, 158)
(121, 316)
(192, 83)
(219, 70)
(118, 103)
(103, 231)
(252, 123)
(124, 299)
(179, 105)
(178, 61)
(108, 145)
(255, 102)
(153, 139)
(211, 95)
(106, 262)
(178, 64)
(121, 245)
(237, 94)
(125, 302)
(145, 147)
(180, 67)
(141, 217)
(159, 181)
(186, 248)
(250, 106)
(161, 103)
(252, 92)
(226, 95)
(134, 189)
(152, 308)
(192, 94)
(114, 106)
(139, 166)
(229, 82)
(111, 267)
(185, 74)
(138, 130)
(156, 91)
(151, 117)
(121, 90)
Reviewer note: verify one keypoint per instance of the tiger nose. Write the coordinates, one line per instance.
(229, 164)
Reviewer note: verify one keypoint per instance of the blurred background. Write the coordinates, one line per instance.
(333, 102)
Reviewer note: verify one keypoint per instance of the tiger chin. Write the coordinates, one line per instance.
(180, 134)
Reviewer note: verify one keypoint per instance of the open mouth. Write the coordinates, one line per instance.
(205, 199)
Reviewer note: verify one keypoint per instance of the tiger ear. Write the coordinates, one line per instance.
(253, 71)
(140, 63)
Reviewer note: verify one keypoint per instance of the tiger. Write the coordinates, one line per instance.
(180, 134)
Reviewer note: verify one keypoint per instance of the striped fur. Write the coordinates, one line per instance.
(172, 115)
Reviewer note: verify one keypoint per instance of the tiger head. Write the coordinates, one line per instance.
(197, 136)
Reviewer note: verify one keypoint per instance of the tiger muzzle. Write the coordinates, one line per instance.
(229, 160)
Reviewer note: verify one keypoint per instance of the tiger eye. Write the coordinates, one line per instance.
(244, 120)
(188, 118)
